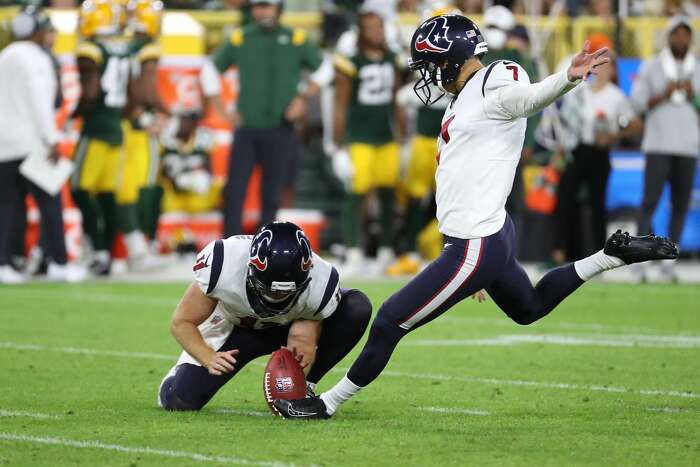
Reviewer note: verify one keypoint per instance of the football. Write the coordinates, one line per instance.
(283, 379)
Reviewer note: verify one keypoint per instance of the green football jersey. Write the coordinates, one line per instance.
(103, 121)
(429, 121)
(371, 111)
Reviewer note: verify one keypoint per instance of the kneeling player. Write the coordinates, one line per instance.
(250, 296)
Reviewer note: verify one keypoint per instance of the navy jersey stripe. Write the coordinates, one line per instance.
(486, 77)
(217, 263)
(330, 288)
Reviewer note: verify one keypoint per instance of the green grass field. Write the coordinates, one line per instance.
(612, 377)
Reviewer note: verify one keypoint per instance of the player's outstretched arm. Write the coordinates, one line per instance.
(193, 310)
(521, 100)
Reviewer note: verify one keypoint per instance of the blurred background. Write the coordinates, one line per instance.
(582, 169)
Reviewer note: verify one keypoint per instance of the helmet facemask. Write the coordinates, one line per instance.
(279, 297)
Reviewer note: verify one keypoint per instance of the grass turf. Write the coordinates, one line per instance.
(91, 358)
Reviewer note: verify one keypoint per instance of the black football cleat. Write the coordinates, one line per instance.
(309, 408)
(639, 249)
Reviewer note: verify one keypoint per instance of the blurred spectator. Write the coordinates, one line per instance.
(270, 59)
(599, 115)
(188, 185)
(469, 7)
(665, 93)
(367, 156)
(27, 115)
(600, 8)
(692, 8)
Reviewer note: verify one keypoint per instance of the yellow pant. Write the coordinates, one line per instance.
(374, 166)
(140, 165)
(97, 166)
(420, 177)
(188, 202)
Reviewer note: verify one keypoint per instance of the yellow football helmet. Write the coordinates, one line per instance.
(99, 18)
(146, 16)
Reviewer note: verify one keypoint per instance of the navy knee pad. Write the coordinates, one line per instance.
(357, 305)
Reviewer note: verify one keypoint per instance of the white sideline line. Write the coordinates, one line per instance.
(479, 412)
(248, 413)
(22, 413)
(130, 449)
(440, 377)
(599, 340)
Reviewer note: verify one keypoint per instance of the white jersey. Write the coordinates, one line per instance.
(221, 272)
(479, 146)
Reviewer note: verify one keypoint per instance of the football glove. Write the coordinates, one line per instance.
(342, 166)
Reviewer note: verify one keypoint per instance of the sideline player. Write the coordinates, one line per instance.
(479, 148)
(250, 296)
(138, 195)
(364, 120)
(103, 65)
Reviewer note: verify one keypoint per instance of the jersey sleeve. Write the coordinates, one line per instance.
(150, 52)
(226, 55)
(207, 268)
(89, 51)
(344, 65)
(310, 55)
(325, 290)
(508, 94)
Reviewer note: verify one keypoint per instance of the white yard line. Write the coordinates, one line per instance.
(248, 413)
(598, 340)
(133, 449)
(99, 297)
(448, 410)
(439, 377)
(546, 324)
(22, 413)
(669, 410)
(81, 351)
(105, 297)
(540, 384)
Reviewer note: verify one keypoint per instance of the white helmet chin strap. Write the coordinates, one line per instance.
(438, 79)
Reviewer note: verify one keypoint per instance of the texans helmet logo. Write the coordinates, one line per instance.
(305, 251)
(260, 241)
(436, 39)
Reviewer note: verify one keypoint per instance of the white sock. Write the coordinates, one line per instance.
(338, 394)
(593, 265)
(136, 244)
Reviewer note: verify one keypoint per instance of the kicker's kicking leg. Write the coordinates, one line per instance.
(525, 304)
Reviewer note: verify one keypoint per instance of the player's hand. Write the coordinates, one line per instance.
(480, 296)
(670, 89)
(687, 88)
(585, 64)
(296, 109)
(222, 362)
(303, 357)
(342, 166)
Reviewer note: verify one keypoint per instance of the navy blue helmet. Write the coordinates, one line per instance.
(278, 268)
(439, 48)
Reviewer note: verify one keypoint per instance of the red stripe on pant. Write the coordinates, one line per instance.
(454, 274)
